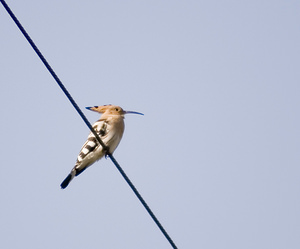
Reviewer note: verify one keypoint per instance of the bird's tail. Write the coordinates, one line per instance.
(75, 172)
(68, 179)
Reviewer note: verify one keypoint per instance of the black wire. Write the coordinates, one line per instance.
(52, 72)
(143, 202)
(87, 122)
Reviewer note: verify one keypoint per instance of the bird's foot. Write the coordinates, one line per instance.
(107, 154)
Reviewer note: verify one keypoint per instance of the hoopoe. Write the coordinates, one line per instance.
(110, 128)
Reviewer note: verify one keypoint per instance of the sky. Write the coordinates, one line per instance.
(216, 155)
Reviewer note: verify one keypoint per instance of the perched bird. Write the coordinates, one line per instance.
(110, 128)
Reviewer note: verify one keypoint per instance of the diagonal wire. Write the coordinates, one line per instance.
(52, 72)
(87, 122)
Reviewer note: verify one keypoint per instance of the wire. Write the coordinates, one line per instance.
(143, 202)
(87, 122)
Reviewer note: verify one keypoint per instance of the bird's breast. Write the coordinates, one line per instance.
(114, 134)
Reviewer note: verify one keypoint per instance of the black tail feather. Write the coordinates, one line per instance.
(66, 182)
(74, 172)
(79, 171)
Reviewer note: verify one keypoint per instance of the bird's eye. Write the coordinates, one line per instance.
(117, 109)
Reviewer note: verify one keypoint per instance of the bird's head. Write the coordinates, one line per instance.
(111, 110)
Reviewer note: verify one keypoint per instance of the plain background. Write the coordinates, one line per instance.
(216, 155)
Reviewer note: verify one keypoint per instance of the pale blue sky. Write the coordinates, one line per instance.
(216, 155)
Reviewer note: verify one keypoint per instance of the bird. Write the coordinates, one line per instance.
(110, 128)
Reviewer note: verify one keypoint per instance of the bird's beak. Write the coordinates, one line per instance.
(131, 112)
(96, 109)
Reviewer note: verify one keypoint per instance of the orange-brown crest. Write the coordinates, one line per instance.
(111, 109)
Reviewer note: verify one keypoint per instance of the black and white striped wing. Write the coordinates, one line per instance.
(91, 143)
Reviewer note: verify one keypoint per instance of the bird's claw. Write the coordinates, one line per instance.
(107, 154)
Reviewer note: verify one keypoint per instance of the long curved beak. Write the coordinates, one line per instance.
(131, 112)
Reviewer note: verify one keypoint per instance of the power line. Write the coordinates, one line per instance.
(87, 122)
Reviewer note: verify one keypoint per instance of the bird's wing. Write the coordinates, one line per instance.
(91, 143)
